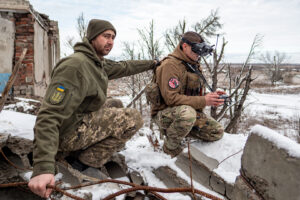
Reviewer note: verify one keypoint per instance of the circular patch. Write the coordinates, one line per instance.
(173, 83)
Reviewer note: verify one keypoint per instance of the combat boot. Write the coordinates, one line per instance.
(172, 153)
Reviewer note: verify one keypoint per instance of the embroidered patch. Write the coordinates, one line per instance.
(57, 95)
(173, 83)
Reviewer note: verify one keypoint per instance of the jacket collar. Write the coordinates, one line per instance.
(87, 49)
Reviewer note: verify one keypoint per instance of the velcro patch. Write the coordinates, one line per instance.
(57, 95)
(173, 83)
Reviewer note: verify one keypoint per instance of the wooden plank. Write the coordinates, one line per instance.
(12, 79)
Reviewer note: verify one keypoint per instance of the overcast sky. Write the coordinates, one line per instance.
(277, 20)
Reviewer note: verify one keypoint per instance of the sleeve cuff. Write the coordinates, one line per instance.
(43, 168)
(202, 102)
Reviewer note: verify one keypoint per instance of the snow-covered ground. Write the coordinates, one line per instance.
(282, 110)
(139, 152)
(17, 124)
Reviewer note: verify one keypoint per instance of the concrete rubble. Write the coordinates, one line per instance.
(271, 164)
(269, 169)
(267, 172)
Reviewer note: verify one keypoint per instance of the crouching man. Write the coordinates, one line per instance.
(70, 119)
(180, 111)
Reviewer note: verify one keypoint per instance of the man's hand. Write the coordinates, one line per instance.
(38, 184)
(220, 92)
(212, 99)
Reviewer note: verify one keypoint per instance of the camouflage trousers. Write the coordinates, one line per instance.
(180, 121)
(101, 134)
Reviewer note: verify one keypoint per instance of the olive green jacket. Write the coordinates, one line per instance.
(78, 86)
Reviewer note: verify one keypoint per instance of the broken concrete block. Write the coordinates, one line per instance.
(217, 183)
(3, 139)
(271, 163)
(222, 156)
(201, 157)
(201, 173)
(116, 166)
(18, 148)
(242, 191)
(215, 164)
(94, 172)
(169, 177)
(136, 178)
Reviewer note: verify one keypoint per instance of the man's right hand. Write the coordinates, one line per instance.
(38, 184)
(212, 99)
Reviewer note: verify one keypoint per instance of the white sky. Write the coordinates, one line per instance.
(277, 20)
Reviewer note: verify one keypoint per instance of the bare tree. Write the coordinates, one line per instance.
(129, 53)
(214, 70)
(209, 26)
(273, 63)
(70, 41)
(81, 28)
(239, 87)
(149, 48)
(148, 41)
(173, 35)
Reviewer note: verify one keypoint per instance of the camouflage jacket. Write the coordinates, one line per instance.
(175, 83)
(78, 86)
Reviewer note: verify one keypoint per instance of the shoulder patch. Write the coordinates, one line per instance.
(57, 95)
(173, 83)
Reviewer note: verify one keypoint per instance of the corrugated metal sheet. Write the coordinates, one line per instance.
(3, 80)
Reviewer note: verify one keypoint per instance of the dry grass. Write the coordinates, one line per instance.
(277, 90)
(281, 124)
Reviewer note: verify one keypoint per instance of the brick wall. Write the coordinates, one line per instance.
(24, 39)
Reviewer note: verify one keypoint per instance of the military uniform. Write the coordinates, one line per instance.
(69, 118)
(180, 113)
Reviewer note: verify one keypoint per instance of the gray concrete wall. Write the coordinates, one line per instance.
(271, 163)
(7, 36)
(41, 60)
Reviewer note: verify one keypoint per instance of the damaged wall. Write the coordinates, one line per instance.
(41, 58)
(7, 37)
(26, 28)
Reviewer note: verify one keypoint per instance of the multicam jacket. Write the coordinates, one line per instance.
(177, 84)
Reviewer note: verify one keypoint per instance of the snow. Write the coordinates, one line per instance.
(276, 108)
(27, 100)
(285, 105)
(280, 141)
(140, 155)
(26, 175)
(230, 144)
(26, 106)
(17, 124)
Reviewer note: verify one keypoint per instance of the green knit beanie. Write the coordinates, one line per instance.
(98, 26)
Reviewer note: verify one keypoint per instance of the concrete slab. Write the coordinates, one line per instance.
(201, 157)
(222, 156)
(169, 177)
(242, 191)
(271, 162)
(201, 173)
(215, 164)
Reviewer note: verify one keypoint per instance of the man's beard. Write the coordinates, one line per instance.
(101, 50)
